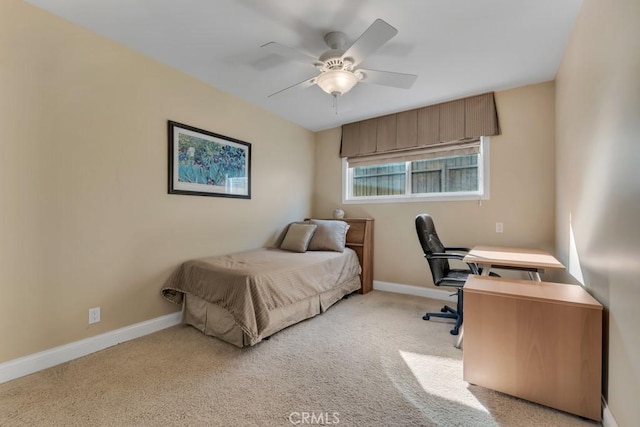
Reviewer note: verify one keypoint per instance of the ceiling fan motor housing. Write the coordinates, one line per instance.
(332, 60)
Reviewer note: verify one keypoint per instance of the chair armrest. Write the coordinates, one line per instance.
(474, 268)
(438, 255)
(457, 248)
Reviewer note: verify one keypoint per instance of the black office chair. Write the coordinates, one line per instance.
(438, 258)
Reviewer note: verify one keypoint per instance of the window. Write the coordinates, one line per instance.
(450, 175)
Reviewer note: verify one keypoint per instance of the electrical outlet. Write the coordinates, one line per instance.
(94, 315)
(499, 227)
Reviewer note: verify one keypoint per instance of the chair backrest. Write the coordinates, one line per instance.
(431, 243)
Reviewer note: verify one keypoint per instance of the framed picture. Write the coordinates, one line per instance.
(203, 163)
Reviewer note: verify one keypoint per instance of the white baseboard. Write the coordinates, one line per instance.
(607, 416)
(26, 365)
(413, 290)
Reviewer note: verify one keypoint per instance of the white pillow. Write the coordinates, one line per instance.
(329, 236)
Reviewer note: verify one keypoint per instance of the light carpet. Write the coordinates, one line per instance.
(370, 360)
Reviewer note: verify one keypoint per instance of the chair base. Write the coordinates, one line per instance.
(447, 313)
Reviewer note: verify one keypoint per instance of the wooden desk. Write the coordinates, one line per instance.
(537, 341)
(533, 261)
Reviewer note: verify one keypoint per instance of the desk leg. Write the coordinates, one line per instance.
(486, 269)
(460, 335)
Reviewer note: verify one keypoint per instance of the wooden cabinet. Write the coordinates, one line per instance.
(535, 340)
(360, 239)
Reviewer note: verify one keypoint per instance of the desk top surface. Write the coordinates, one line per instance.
(526, 289)
(512, 257)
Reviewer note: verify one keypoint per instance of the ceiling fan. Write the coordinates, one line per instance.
(338, 66)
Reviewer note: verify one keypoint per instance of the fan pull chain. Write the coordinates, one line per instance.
(335, 103)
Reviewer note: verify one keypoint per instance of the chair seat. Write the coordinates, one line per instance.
(455, 278)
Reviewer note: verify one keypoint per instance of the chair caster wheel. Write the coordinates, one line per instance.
(425, 317)
(454, 331)
(443, 310)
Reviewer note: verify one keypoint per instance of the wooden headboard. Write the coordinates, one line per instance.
(360, 239)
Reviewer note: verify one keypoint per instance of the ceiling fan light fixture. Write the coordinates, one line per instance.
(337, 82)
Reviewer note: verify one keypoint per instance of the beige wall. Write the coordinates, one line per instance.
(85, 218)
(598, 182)
(522, 192)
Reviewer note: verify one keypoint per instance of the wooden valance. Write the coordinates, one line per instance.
(462, 119)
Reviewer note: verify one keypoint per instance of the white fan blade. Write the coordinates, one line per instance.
(302, 85)
(375, 36)
(289, 52)
(388, 78)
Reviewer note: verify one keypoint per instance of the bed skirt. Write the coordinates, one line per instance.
(215, 321)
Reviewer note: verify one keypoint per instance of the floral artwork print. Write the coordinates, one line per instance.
(202, 161)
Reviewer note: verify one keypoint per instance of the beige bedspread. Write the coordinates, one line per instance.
(250, 284)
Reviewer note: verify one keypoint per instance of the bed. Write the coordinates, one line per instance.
(245, 297)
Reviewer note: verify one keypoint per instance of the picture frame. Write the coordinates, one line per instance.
(203, 163)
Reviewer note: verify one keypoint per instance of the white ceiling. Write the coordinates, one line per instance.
(456, 47)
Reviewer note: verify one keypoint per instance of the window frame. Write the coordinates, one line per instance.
(481, 194)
